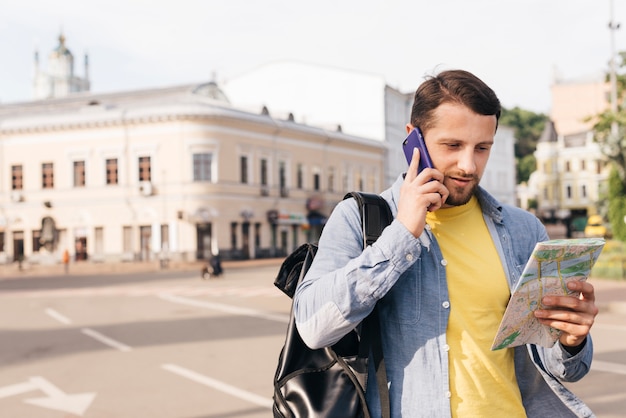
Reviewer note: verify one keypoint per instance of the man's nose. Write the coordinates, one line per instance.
(466, 162)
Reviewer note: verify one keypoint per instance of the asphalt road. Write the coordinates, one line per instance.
(168, 344)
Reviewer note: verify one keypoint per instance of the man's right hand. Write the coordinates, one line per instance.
(419, 195)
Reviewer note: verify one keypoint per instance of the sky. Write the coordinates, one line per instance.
(515, 46)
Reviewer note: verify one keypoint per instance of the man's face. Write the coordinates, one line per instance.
(459, 143)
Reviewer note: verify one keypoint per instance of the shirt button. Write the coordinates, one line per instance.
(446, 347)
(446, 304)
(444, 262)
(448, 394)
(409, 257)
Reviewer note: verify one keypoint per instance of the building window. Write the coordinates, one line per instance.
(99, 240)
(243, 169)
(583, 191)
(257, 235)
(582, 165)
(47, 175)
(36, 240)
(2, 237)
(598, 167)
(568, 192)
(233, 236)
(17, 179)
(111, 171)
(300, 176)
(331, 179)
(79, 174)
(165, 236)
(316, 179)
(567, 166)
(282, 178)
(202, 166)
(127, 236)
(263, 172)
(144, 169)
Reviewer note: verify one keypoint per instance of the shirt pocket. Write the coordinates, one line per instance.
(402, 304)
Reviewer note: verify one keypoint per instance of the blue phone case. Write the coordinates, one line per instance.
(416, 140)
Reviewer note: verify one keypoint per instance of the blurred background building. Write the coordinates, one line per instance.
(176, 171)
(570, 182)
(186, 172)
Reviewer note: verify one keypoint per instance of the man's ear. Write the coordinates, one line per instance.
(409, 128)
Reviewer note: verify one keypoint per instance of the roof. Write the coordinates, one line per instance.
(549, 133)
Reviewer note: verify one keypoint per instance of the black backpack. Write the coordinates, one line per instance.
(329, 382)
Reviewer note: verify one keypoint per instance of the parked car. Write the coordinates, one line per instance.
(596, 228)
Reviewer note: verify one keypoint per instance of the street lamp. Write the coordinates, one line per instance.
(613, 26)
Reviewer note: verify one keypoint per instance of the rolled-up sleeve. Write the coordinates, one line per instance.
(345, 281)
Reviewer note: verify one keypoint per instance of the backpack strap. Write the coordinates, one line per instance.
(375, 216)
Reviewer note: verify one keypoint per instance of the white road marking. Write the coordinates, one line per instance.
(16, 389)
(54, 314)
(137, 291)
(55, 398)
(221, 386)
(106, 340)
(236, 310)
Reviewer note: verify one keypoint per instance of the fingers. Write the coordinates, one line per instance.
(411, 173)
(574, 315)
(418, 194)
(586, 289)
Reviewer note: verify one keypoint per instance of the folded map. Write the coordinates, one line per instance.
(550, 267)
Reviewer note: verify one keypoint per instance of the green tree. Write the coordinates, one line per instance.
(617, 205)
(528, 127)
(610, 135)
(525, 166)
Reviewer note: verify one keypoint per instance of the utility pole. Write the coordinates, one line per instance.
(613, 27)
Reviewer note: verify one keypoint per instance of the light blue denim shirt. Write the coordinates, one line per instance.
(407, 276)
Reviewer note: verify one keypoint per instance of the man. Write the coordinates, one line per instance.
(442, 273)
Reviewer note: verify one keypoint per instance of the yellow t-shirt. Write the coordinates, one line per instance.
(482, 381)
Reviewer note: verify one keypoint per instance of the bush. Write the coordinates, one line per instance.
(612, 262)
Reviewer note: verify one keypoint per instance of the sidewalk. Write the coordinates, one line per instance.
(610, 295)
(13, 270)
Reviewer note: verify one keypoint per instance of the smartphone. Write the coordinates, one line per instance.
(416, 140)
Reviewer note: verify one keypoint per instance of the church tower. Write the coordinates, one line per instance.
(59, 79)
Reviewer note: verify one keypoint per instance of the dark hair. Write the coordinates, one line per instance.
(452, 86)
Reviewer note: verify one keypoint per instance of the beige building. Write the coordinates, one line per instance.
(363, 104)
(176, 171)
(571, 175)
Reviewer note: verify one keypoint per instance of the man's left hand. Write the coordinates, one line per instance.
(573, 315)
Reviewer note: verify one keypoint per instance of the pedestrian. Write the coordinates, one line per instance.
(442, 273)
(216, 265)
(66, 261)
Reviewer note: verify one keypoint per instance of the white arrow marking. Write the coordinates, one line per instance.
(75, 404)
(221, 386)
(56, 399)
(16, 389)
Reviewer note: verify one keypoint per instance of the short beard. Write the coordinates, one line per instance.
(459, 198)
